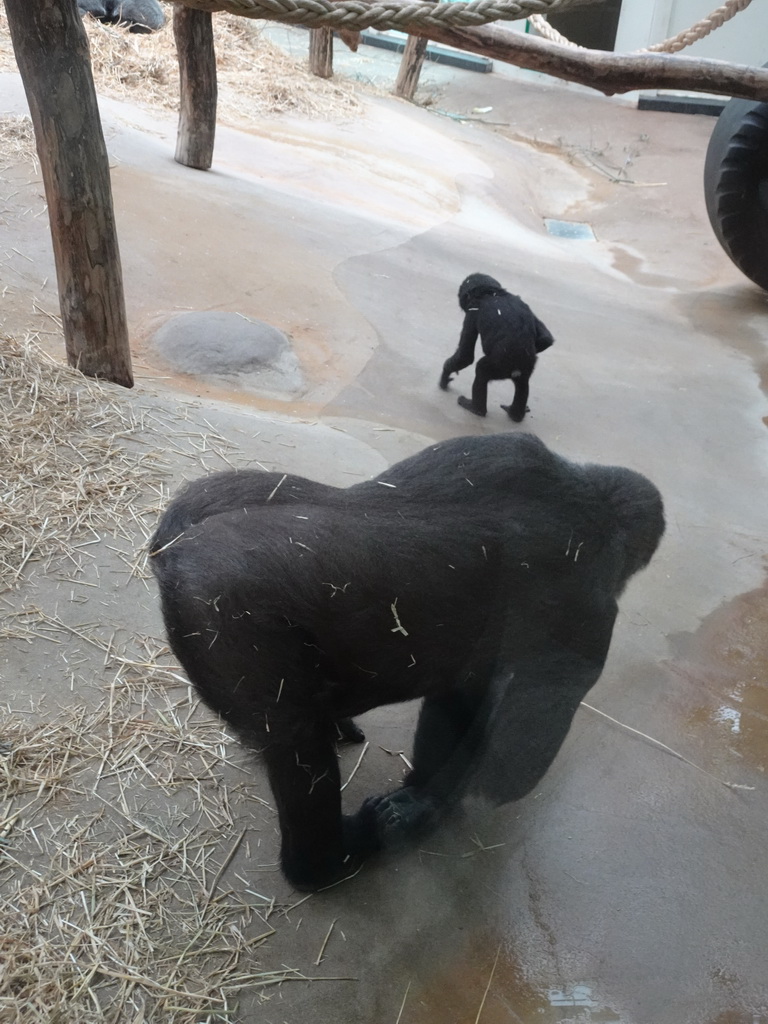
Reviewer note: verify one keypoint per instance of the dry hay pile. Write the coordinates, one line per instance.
(116, 834)
(116, 842)
(255, 76)
(17, 141)
(73, 465)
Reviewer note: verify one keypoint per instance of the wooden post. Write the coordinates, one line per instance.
(410, 67)
(52, 54)
(321, 52)
(193, 32)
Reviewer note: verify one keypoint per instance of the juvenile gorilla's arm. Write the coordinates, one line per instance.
(464, 355)
(543, 336)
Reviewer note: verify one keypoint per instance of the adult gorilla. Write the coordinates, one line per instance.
(139, 15)
(481, 575)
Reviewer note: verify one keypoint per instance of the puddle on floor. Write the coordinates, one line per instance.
(727, 660)
(739, 1017)
(635, 268)
(460, 992)
(737, 317)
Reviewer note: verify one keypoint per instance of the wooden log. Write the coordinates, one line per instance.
(609, 73)
(407, 80)
(52, 54)
(350, 38)
(198, 89)
(321, 52)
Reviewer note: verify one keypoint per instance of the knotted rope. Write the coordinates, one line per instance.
(391, 14)
(690, 35)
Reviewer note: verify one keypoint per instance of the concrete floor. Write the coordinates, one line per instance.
(630, 887)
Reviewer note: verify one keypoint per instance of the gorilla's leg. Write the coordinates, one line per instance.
(348, 731)
(448, 734)
(262, 685)
(95, 7)
(304, 776)
(444, 721)
(298, 749)
(517, 410)
(478, 404)
(140, 15)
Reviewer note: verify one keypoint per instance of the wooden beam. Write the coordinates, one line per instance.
(321, 52)
(198, 87)
(407, 80)
(609, 73)
(52, 54)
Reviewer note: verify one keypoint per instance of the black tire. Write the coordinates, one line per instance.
(736, 186)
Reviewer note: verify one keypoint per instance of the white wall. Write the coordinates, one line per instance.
(743, 40)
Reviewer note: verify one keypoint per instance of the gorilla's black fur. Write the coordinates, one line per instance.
(141, 15)
(511, 338)
(481, 575)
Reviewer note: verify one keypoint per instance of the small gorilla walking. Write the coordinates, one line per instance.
(480, 575)
(511, 336)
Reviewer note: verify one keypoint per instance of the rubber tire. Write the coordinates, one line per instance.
(736, 186)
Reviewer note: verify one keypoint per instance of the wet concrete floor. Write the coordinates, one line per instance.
(630, 886)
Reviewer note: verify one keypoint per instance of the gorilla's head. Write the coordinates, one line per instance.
(476, 287)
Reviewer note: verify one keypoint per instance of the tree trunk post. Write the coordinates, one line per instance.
(410, 67)
(51, 50)
(193, 32)
(321, 52)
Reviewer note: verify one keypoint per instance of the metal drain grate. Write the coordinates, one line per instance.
(568, 229)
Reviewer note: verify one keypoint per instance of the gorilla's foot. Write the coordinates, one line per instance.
(515, 414)
(349, 731)
(401, 814)
(466, 403)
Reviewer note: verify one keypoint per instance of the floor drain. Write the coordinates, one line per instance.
(568, 229)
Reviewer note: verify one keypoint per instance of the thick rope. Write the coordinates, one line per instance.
(352, 14)
(701, 28)
(676, 43)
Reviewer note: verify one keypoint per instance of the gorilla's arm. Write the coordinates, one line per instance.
(464, 355)
(504, 745)
(543, 336)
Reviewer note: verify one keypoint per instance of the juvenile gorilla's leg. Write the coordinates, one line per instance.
(478, 404)
(517, 410)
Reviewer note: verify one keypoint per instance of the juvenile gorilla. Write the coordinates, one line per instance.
(480, 575)
(141, 15)
(511, 338)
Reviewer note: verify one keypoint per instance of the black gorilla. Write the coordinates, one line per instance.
(511, 337)
(141, 15)
(481, 574)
